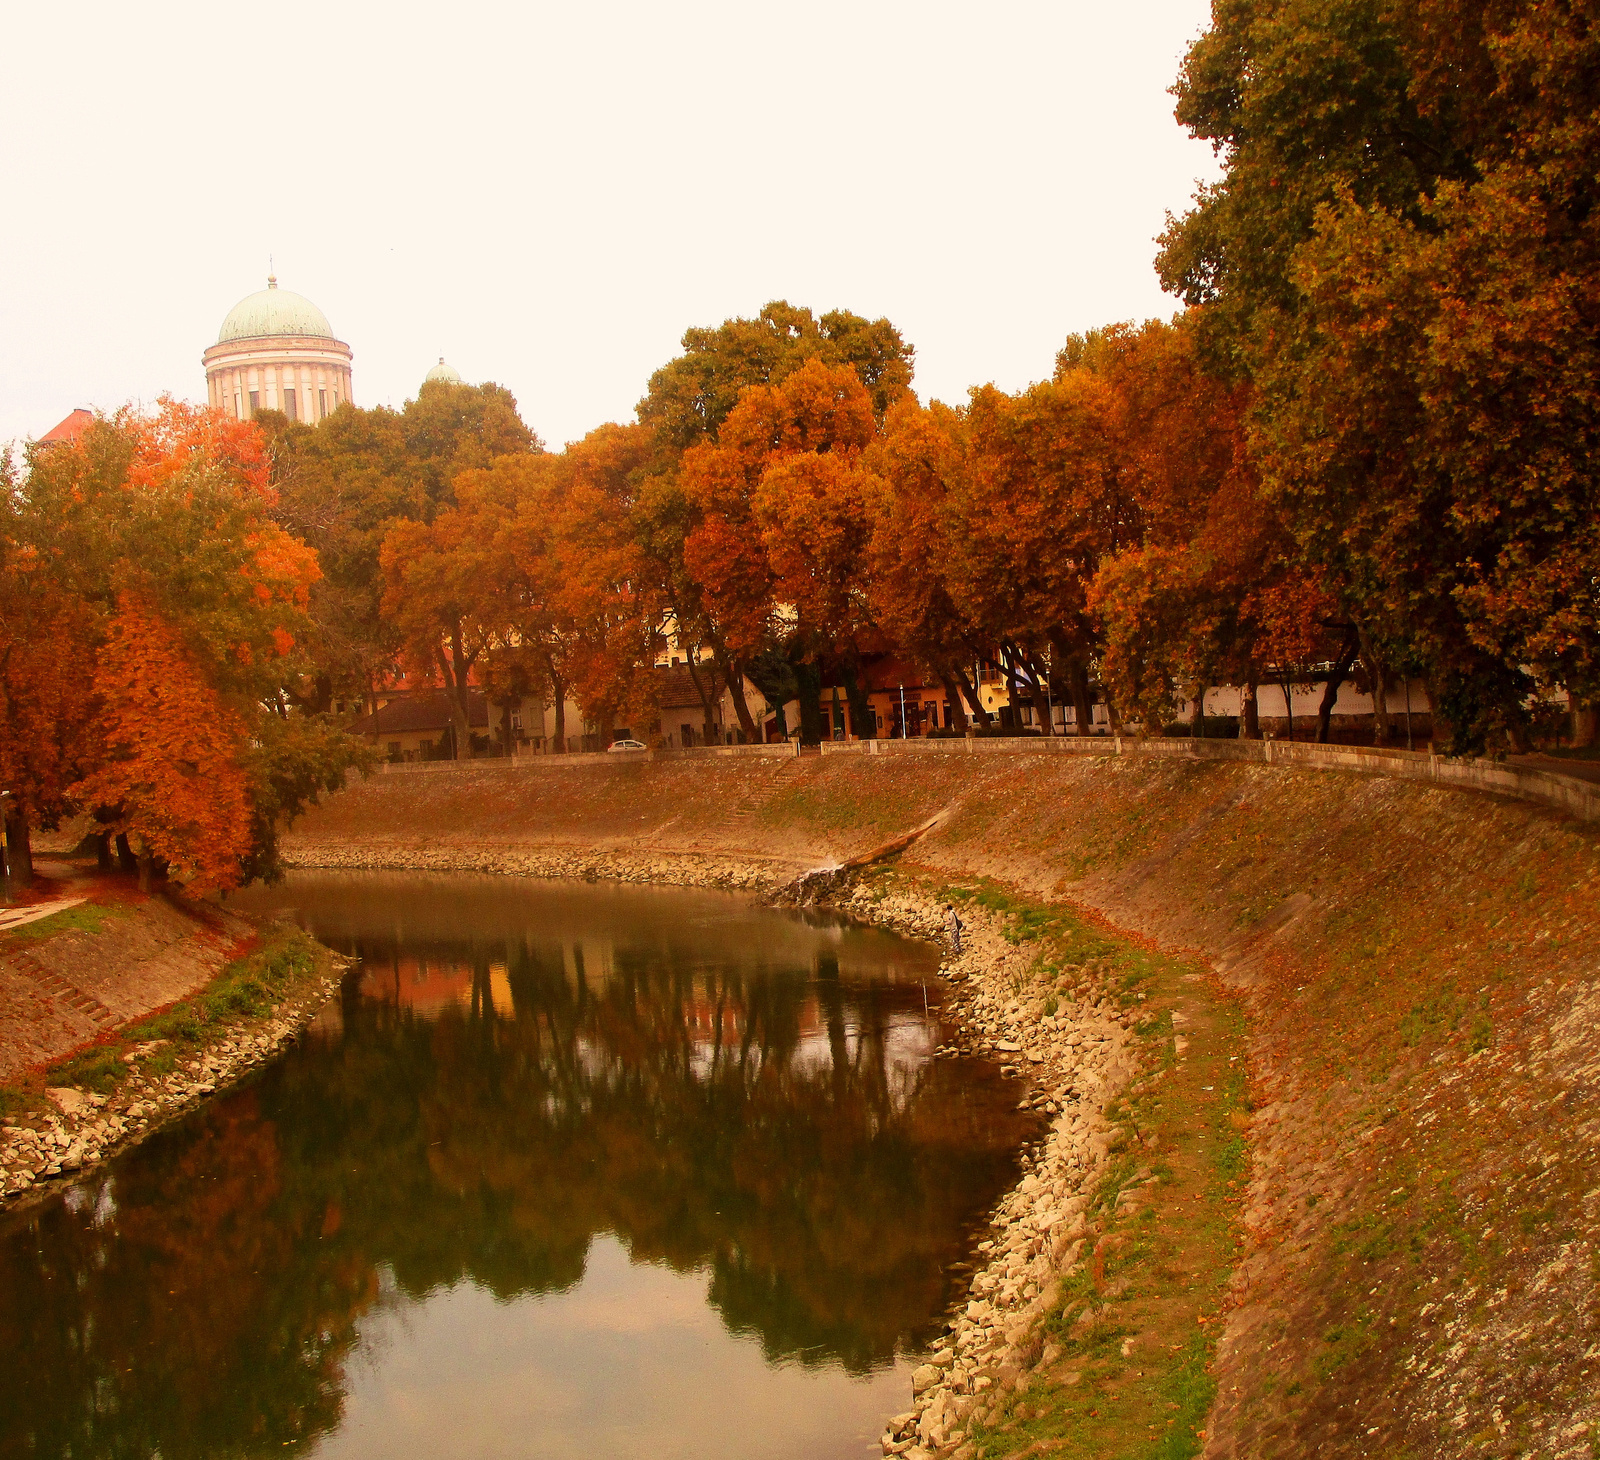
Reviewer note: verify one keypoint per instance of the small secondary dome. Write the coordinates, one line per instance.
(274, 311)
(447, 373)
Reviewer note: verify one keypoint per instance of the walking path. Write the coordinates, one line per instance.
(15, 917)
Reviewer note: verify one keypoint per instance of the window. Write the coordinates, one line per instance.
(255, 401)
(322, 404)
(288, 403)
(516, 719)
(236, 405)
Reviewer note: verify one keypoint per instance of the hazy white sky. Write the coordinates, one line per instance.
(549, 195)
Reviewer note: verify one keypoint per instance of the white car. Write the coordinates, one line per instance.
(628, 745)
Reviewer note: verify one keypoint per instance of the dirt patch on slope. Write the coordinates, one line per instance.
(1420, 969)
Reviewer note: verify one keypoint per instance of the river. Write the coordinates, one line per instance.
(564, 1171)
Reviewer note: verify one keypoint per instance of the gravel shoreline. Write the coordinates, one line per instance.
(77, 1130)
(1069, 1065)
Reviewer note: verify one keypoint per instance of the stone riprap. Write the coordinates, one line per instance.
(1069, 1065)
(78, 1129)
(677, 869)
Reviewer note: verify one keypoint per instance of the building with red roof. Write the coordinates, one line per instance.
(68, 429)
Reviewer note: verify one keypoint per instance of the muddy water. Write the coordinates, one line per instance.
(565, 1171)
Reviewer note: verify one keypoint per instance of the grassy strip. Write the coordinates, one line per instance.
(248, 988)
(86, 917)
(1129, 1343)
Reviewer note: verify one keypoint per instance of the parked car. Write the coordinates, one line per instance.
(628, 745)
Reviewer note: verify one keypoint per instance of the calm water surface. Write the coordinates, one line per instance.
(564, 1171)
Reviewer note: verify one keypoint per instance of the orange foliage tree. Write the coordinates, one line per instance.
(781, 502)
(167, 754)
(159, 528)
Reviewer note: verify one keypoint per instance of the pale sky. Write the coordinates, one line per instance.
(548, 196)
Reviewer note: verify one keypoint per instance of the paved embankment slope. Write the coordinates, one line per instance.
(1418, 969)
(108, 955)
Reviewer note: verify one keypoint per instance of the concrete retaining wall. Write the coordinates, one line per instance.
(1578, 798)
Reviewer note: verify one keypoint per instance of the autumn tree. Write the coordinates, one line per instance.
(691, 396)
(47, 646)
(1041, 501)
(174, 595)
(917, 464)
(435, 595)
(1398, 257)
(343, 483)
(167, 754)
(781, 502)
(605, 586)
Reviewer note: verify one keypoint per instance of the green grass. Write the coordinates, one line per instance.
(1157, 1276)
(87, 917)
(246, 989)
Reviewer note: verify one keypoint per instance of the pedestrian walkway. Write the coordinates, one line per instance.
(15, 917)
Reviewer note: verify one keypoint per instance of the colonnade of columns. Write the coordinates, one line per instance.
(304, 386)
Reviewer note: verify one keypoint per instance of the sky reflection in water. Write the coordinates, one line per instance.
(565, 1171)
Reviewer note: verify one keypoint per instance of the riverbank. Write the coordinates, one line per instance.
(1089, 1324)
(1417, 971)
(63, 1119)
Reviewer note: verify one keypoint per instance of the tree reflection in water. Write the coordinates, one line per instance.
(509, 1074)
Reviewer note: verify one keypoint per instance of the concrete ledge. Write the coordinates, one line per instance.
(1576, 797)
(785, 751)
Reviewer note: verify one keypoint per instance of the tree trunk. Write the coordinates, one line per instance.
(126, 860)
(1250, 716)
(741, 707)
(1336, 677)
(709, 725)
(19, 848)
(1585, 725)
(559, 690)
(958, 715)
(863, 723)
(102, 852)
(1113, 714)
(1078, 687)
(808, 681)
(1288, 702)
(1197, 721)
(144, 871)
(459, 719)
(1377, 674)
(973, 697)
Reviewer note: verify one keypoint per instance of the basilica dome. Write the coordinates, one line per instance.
(274, 311)
(276, 351)
(448, 374)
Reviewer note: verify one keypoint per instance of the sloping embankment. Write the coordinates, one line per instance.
(1418, 965)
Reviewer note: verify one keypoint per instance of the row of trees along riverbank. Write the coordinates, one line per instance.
(1366, 443)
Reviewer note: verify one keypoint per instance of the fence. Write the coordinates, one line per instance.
(1548, 788)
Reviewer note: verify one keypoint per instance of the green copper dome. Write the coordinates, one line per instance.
(274, 311)
(447, 373)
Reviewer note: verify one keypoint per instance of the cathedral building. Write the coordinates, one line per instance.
(276, 351)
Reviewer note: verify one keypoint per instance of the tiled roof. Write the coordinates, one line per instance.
(429, 710)
(675, 690)
(69, 429)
